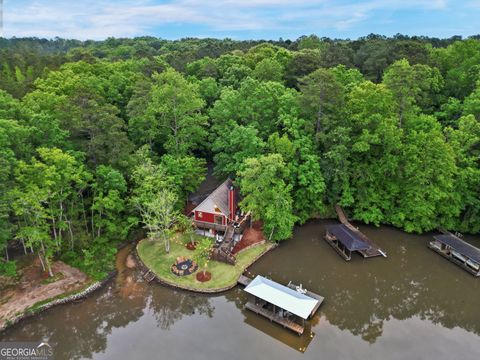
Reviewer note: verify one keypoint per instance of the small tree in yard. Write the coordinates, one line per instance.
(202, 253)
(158, 215)
(184, 225)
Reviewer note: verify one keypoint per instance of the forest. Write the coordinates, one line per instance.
(101, 138)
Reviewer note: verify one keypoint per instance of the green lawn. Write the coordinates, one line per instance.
(155, 258)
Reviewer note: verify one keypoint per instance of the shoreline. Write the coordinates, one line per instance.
(171, 284)
(61, 299)
(64, 298)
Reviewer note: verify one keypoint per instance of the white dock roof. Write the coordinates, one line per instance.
(282, 296)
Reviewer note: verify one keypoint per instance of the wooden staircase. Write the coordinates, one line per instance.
(149, 276)
(224, 252)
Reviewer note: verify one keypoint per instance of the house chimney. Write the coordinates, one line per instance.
(232, 202)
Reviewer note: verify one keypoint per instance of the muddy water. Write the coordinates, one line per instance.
(412, 305)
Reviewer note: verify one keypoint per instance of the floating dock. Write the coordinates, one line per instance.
(288, 306)
(346, 238)
(457, 251)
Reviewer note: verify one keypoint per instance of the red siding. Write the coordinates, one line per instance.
(208, 217)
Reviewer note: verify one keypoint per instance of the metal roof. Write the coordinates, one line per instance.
(347, 237)
(460, 246)
(282, 296)
(218, 198)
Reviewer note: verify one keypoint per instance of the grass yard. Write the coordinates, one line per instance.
(153, 255)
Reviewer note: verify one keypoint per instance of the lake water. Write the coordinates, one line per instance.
(412, 305)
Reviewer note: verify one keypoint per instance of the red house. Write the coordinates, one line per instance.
(218, 209)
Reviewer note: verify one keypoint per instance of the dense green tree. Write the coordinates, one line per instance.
(267, 195)
(233, 145)
(263, 51)
(374, 148)
(322, 99)
(347, 77)
(235, 75)
(372, 58)
(337, 53)
(154, 198)
(450, 111)
(203, 68)
(268, 70)
(44, 198)
(375, 144)
(465, 142)
(471, 104)
(256, 103)
(310, 42)
(14, 145)
(428, 198)
(460, 66)
(172, 116)
(209, 91)
(301, 158)
(10, 108)
(186, 173)
(413, 87)
(301, 64)
(109, 220)
(97, 130)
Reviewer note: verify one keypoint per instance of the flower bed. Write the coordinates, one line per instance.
(204, 276)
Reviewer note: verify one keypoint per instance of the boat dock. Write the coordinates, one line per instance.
(348, 238)
(286, 323)
(288, 306)
(457, 251)
(310, 294)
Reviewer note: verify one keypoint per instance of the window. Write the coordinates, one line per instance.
(217, 209)
(200, 214)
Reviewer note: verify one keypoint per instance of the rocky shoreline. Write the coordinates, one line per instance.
(79, 295)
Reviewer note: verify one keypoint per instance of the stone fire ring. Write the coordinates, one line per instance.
(184, 268)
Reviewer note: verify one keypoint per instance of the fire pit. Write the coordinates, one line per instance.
(183, 267)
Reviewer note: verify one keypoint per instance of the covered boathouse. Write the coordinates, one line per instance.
(457, 251)
(281, 304)
(345, 241)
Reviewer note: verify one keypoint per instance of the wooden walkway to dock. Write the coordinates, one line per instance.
(374, 249)
(243, 280)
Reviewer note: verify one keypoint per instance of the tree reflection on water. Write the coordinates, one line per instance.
(360, 296)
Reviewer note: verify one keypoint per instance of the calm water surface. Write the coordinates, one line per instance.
(412, 305)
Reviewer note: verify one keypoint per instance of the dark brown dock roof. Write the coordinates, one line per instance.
(460, 246)
(351, 240)
(373, 250)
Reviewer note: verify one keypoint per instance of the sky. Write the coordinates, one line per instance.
(236, 19)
